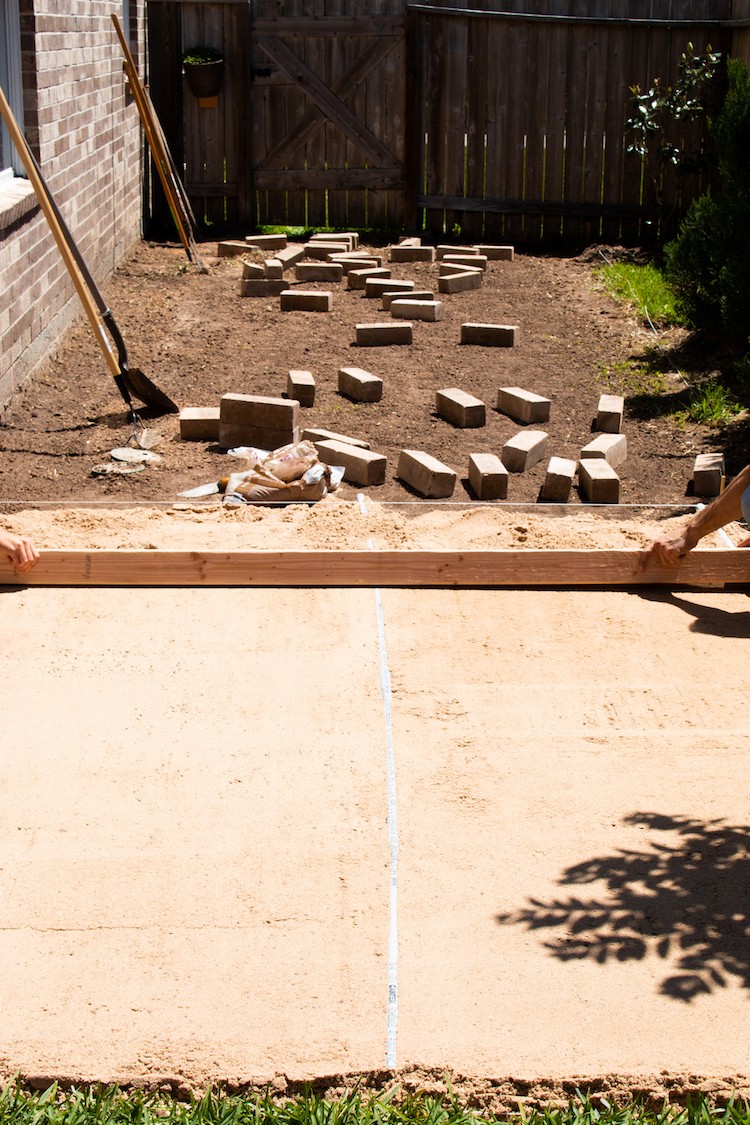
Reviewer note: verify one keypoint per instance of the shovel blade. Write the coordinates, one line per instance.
(141, 387)
(147, 439)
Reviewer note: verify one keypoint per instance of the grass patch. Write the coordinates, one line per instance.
(290, 232)
(635, 377)
(644, 386)
(711, 404)
(370, 236)
(644, 289)
(98, 1105)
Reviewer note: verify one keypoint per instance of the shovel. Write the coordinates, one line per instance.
(130, 381)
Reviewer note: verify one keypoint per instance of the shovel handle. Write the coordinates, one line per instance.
(45, 202)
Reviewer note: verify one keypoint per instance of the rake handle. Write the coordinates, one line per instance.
(161, 159)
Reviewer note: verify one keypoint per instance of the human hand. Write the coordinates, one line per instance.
(20, 550)
(664, 552)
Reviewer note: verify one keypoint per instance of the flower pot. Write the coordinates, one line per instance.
(204, 79)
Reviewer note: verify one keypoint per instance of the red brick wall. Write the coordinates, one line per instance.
(86, 136)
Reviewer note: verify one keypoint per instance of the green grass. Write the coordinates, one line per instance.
(712, 404)
(291, 232)
(644, 288)
(97, 1105)
(635, 377)
(374, 236)
(649, 395)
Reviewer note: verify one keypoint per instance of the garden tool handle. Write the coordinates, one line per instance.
(153, 138)
(44, 198)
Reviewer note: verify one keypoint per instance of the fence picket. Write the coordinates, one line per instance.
(597, 46)
(513, 151)
(556, 109)
(477, 108)
(338, 59)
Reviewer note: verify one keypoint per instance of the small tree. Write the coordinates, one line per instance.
(658, 112)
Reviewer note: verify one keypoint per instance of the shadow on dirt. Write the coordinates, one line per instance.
(646, 406)
(682, 899)
(736, 444)
(701, 361)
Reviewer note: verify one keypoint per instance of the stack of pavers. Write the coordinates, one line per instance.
(333, 258)
(258, 421)
(460, 269)
(599, 460)
(361, 465)
(264, 279)
(424, 474)
(598, 480)
(596, 466)
(489, 473)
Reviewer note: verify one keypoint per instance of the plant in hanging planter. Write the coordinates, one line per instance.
(203, 68)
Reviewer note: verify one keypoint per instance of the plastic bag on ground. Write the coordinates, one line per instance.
(283, 475)
(288, 463)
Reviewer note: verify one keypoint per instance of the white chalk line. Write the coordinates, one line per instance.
(385, 691)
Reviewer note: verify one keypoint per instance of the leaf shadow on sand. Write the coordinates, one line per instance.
(685, 899)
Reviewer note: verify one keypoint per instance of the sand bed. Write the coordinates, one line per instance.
(211, 794)
(338, 524)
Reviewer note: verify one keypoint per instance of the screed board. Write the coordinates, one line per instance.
(374, 568)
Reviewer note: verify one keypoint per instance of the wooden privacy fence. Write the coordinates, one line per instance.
(499, 119)
(524, 113)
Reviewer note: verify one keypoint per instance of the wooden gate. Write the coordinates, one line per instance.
(309, 126)
(207, 136)
(328, 112)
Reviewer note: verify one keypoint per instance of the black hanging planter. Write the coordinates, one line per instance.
(203, 68)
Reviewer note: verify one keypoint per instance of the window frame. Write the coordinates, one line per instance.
(10, 75)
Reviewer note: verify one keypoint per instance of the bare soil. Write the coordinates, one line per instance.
(196, 339)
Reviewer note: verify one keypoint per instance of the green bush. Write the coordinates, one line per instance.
(697, 93)
(694, 262)
(708, 264)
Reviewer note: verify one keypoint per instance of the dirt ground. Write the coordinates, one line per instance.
(491, 838)
(196, 339)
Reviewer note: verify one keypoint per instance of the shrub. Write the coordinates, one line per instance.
(658, 112)
(708, 264)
